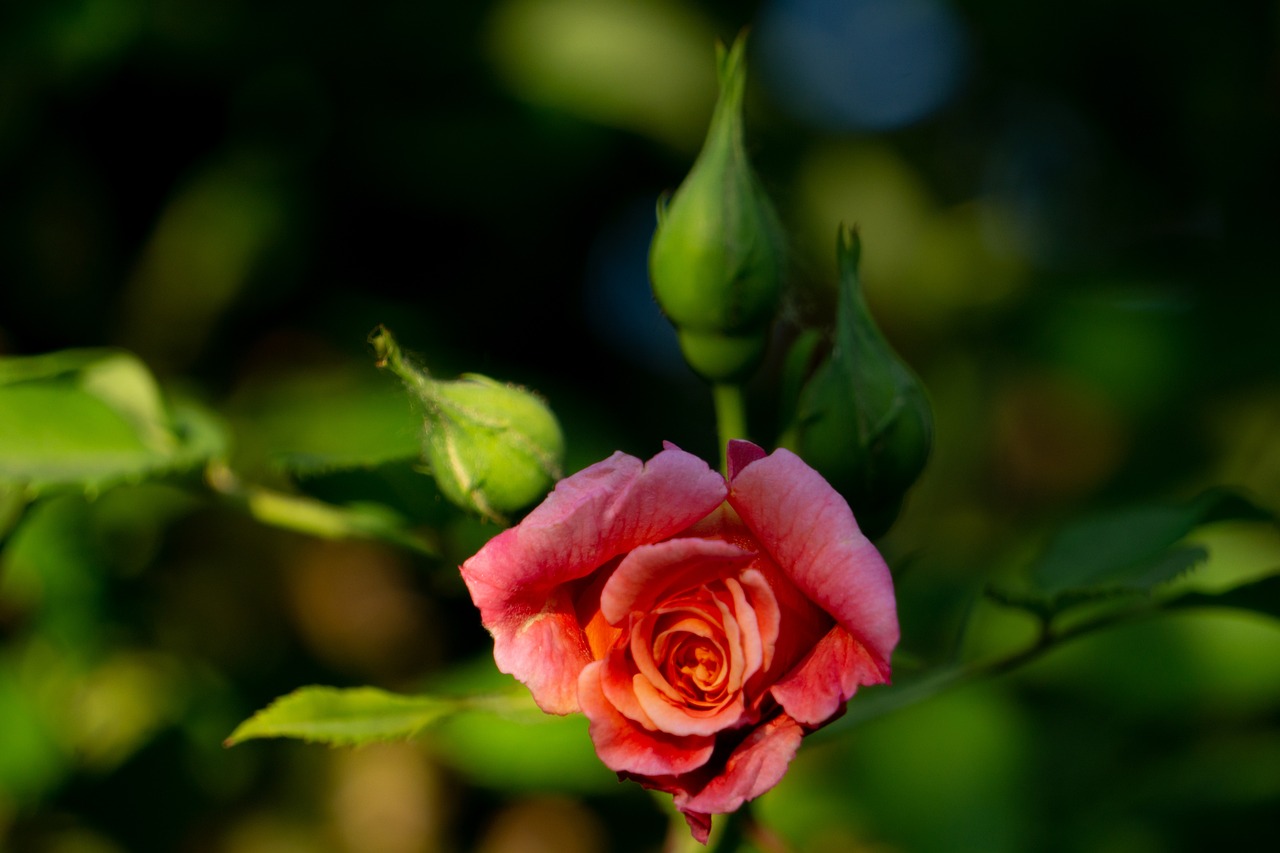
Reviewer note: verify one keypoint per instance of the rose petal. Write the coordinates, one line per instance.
(676, 720)
(740, 454)
(764, 609)
(754, 767)
(626, 747)
(651, 573)
(643, 642)
(756, 611)
(607, 509)
(810, 532)
(806, 692)
(699, 826)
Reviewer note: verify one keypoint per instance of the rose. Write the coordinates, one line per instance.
(703, 626)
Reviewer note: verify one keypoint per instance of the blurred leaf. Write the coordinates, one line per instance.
(105, 713)
(1260, 596)
(33, 760)
(339, 419)
(635, 64)
(514, 745)
(47, 366)
(346, 717)
(209, 239)
(92, 418)
(53, 568)
(12, 503)
(1132, 549)
(526, 751)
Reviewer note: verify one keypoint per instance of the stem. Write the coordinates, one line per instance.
(940, 680)
(388, 353)
(312, 517)
(741, 828)
(731, 418)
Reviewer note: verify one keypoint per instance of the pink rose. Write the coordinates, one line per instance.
(703, 626)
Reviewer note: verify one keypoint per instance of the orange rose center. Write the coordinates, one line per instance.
(695, 668)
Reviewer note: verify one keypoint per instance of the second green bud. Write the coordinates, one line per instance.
(716, 261)
(862, 419)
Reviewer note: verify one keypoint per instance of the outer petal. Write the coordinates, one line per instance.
(810, 532)
(754, 767)
(806, 692)
(607, 509)
(625, 746)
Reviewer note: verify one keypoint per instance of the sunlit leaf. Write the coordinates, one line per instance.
(345, 717)
(93, 418)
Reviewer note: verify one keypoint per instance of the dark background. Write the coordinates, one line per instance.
(1070, 222)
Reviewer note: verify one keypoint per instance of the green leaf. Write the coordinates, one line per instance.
(92, 418)
(311, 423)
(1260, 596)
(1132, 549)
(523, 751)
(346, 717)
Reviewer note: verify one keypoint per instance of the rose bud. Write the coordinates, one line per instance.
(492, 448)
(863, 419)
(703, 624)
(716, 257)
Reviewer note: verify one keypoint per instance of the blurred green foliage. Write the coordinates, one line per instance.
(205, 207)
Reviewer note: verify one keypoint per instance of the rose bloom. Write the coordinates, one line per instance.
(702, 625)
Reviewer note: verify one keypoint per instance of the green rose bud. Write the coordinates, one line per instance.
(863, 419)
(493, 448)
(716, 257)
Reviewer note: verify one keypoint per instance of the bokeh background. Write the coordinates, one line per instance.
(1070, 225)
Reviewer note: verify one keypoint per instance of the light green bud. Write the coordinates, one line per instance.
(862, 419)
(716, 258)
(493, 448)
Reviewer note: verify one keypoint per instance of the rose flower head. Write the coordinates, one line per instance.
(703, 625)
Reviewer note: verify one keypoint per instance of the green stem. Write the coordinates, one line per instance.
(742, 828)
(907, 693)
(388, 353)
(312, 517)
(731, 418)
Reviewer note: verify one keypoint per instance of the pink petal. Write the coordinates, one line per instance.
(754, 767)
(625, 746)
(699, 826)
(740, 454)
(809, 531)
(517, 580)
(651, 573)
(806, 692)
